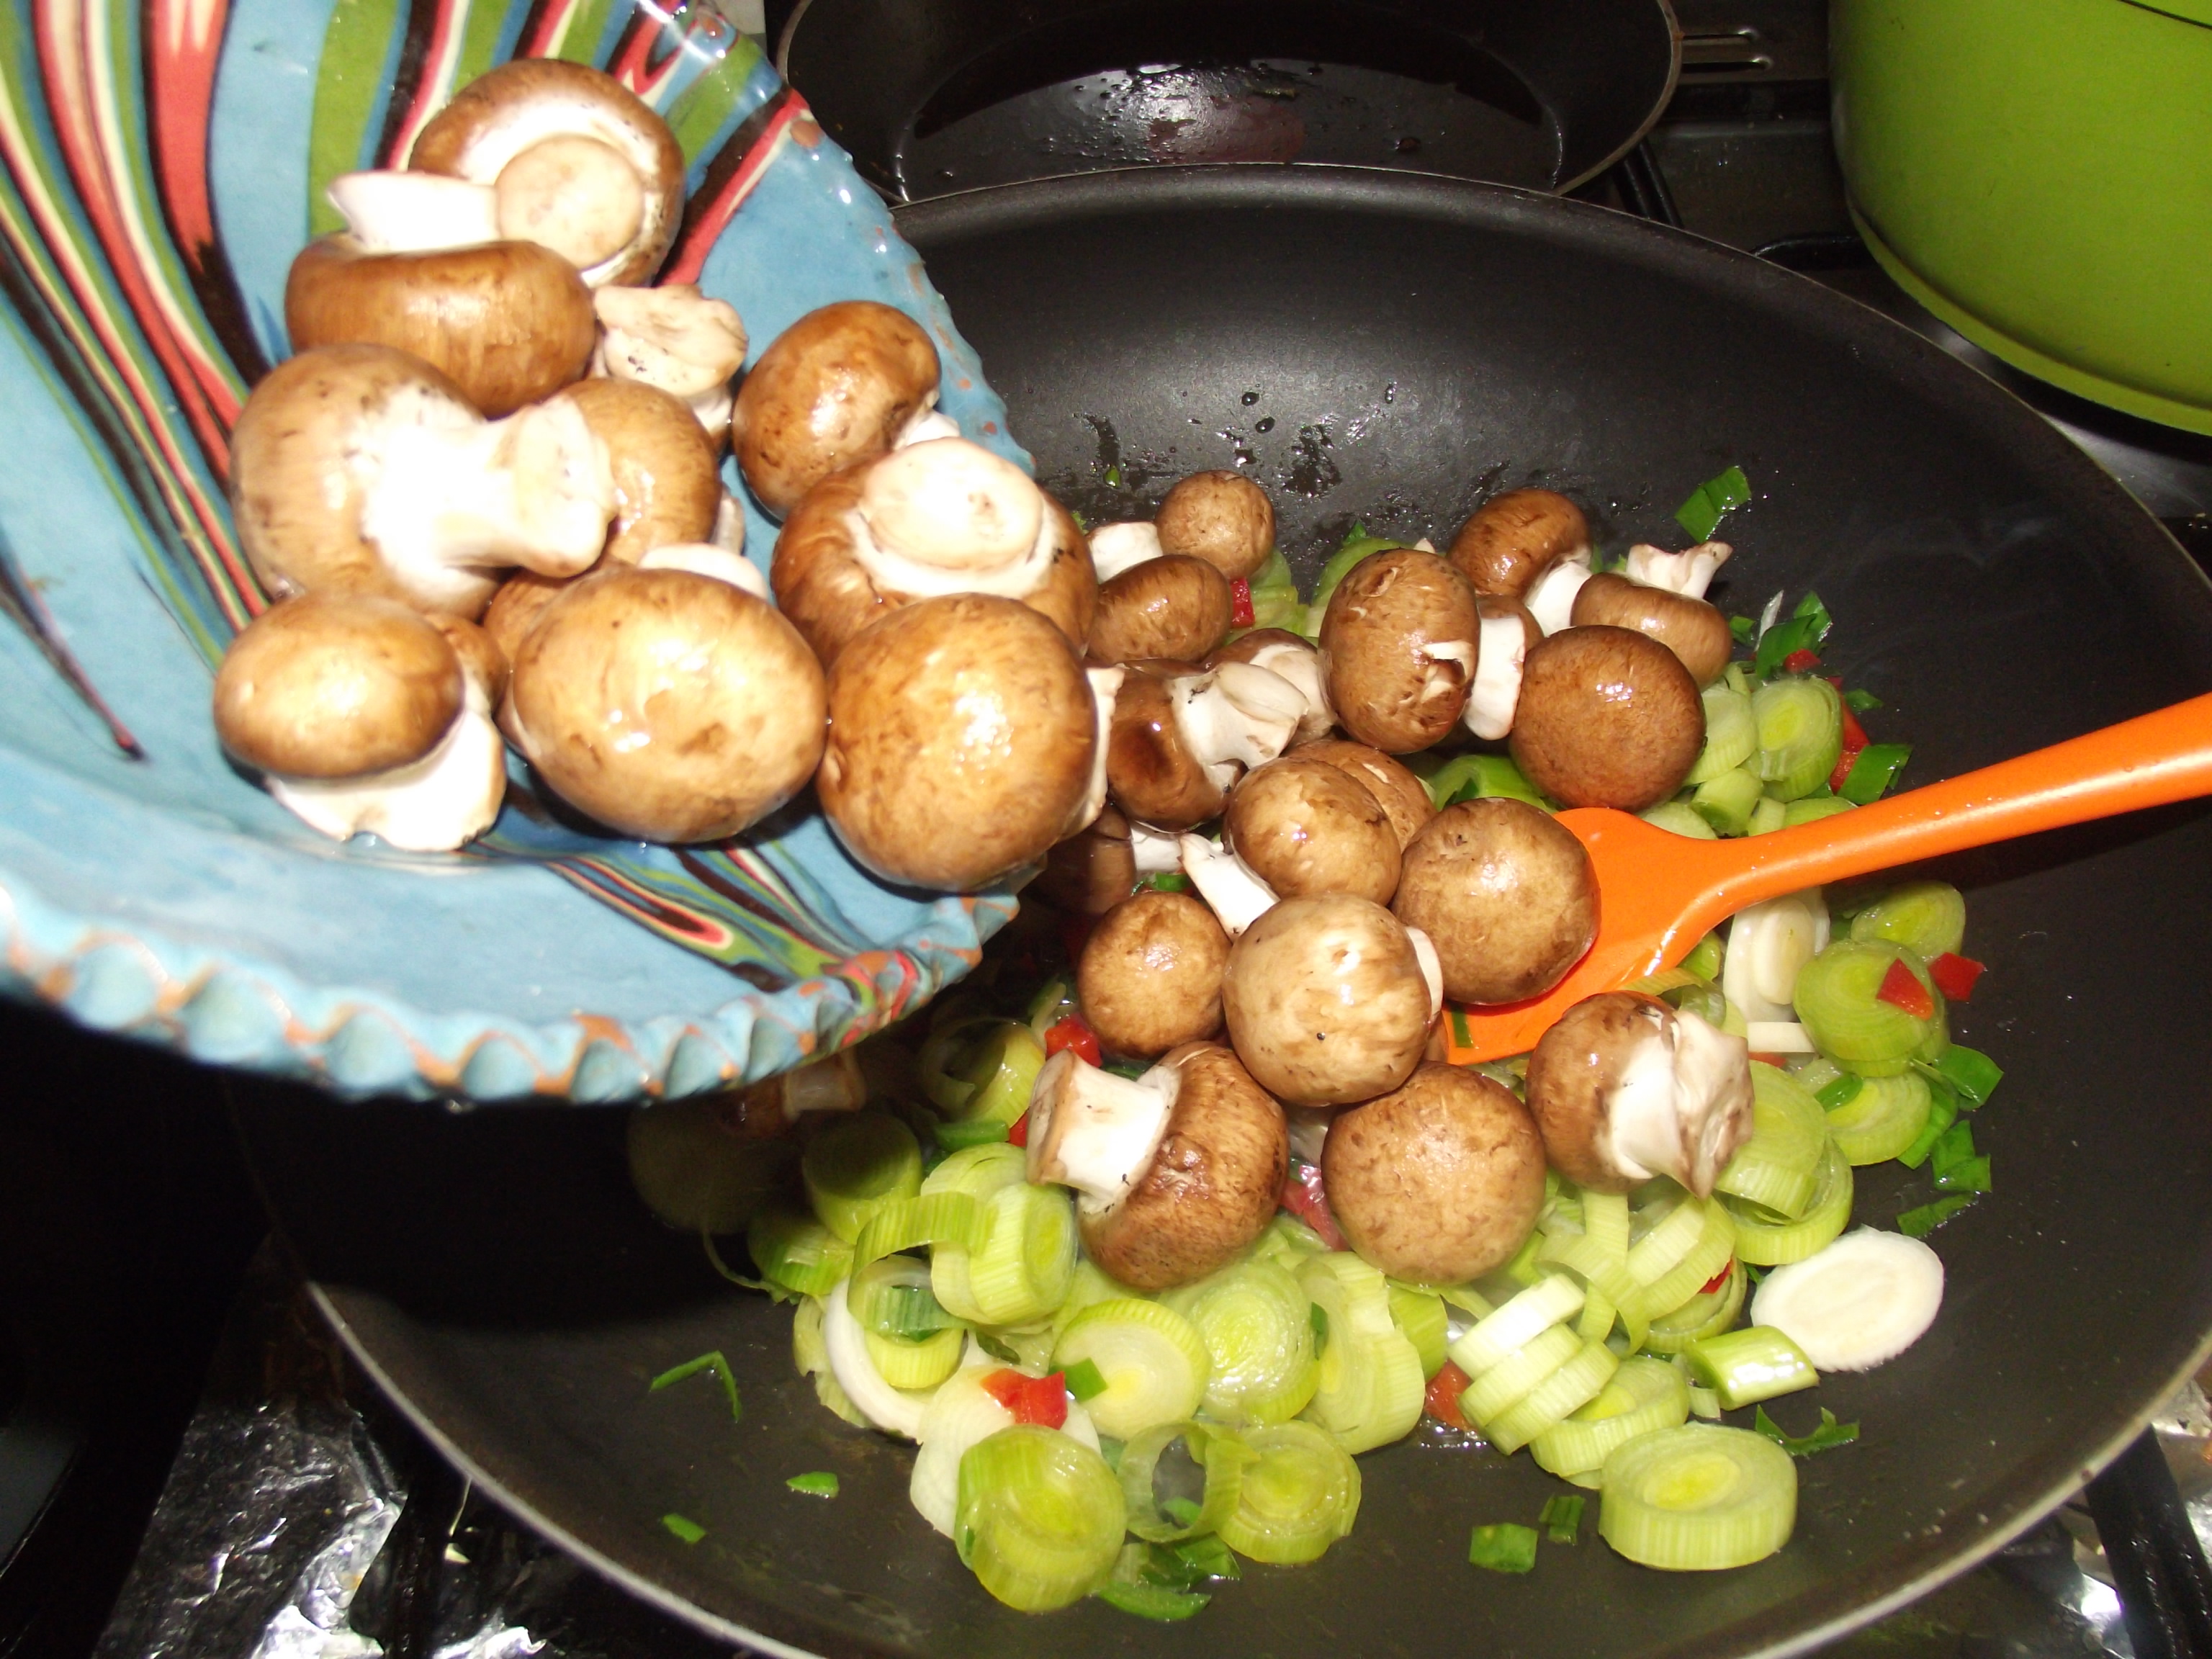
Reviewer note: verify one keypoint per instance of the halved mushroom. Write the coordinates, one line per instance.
(1174, 1172)
(1180, 740)
(1402, 797)
(961, 737)
(1399, 640)
(1304, 827)
(1509, 634)
(1093, 870)
(1506, 894)
(1223, 518)
(579, 163)
(366, 717)
(667, 705)
(1150, 976)
(1608, 717)
(667, 488)
(1530, 546)
(1438, 1181)
(361, 466)
(946, 516)
(676, 338)
(1623, 1088)
(1693, 630)
(1296, 658)
(1172, 606)
(839, 387)
(1326, 1000)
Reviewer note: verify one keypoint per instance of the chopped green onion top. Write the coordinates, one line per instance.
(1873, 771)
(1701, 514)
(1954, 1147)
(1504, 1547)
(816, 1483)
(1152, 1601)
(1969, 1072)
(713, 1363)
(1943, 1111)
(689, 1531)
(1317, 1317)
(1183, 1511)
(1812, 610)
(1744, 629)
(1918, 1224)
(1783, 640)
(1841, 1092)
(1863, 703)
(1830, 1433)
(777, 1292)
(1165, 881)
(1083, 1380)
(1969, 1174)
(1562, 1518)
(1113, 475)
(1129, 1068)
(997, 1349)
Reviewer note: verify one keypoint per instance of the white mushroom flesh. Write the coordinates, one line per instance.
(1118, 547)
(729, 531)
(415, 212)
(673, 338)
(1094, 1132)
(706, 559)
(1862, 1301)
(553, 120)
(1689, 572)
(1777, 1036)
(1436, 684)
(575, 194)
(1767, 944)
(1495, 693)
(1237, 895)
(949, 517)
(1666, 1115)
(432, 805)
(897, 1409)
(448, 495)
(1551, 597)
(1105, 686)
(1235, 718)
(1155, 851)
(1433, 969)
(926, 425)
(1300, 665)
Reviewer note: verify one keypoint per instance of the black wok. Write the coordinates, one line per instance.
(1394, 348)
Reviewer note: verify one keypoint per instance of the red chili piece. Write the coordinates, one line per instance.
(1779, 1061)
(1039, 1400)
(1800, 661)
(1305, 1197)
(1019, 1135)
(1072, 1033)
(1240, 603)
(1442, 1399)
(1901, 989)
(1954, 975)
(1719, 1279)
(1854, 739)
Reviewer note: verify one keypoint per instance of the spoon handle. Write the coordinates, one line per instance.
(2150, 761)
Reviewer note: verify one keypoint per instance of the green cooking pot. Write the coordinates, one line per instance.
(2038, 174)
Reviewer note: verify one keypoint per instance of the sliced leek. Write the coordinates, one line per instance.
(1022, 1270)
(1744, 1367)
(1645, 1395)
(1929, 918)
(796, 1251)
(1258, 1329)
(1697, 1498)
(1731, 733)
(1300, 1495)
(906, 1223)
(1699, 1266)
(1369, 1386)
(1552, 1298)
(1218, 1456)
(1838, 1003)
(1800, 734)
(1882, 1118)
(1779, 1165)
(1768, 1240)
(1420, 1315)
(1513, 1378)
(1573, 1385)
(1706, 1313)
(855, 1166)
(978, 1172)
(916, 1363)
(1152, 1360)
(1040, 1520)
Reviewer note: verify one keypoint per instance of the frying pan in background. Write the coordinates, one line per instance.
(1394, 348)
(933, 96)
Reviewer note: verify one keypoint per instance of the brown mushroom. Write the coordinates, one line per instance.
(1175, 1172)
(1402, 797)
(1150, 976)
(514, 608)
(1439, 1181)
(667, 705)
(1399, 640)
(1693, 630)
(1180, 740)
(945, 516)
(961, 737)
(1298, 660)
(667, 488)
(1326, 1000)
(1223, 518)
(579, 163)
(839, 387)
(1303, 827)
(1093, 870)
(1608, 717)
(1507, 895)
(1513, 538)
(1171, 606)
(1623, 1088)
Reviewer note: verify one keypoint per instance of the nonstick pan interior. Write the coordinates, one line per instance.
(1393, 348)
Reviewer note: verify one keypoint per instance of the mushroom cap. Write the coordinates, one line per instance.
(1439, 1181)
(501, 116)
(836, 387)
(1093, 870)
(1505, 894)
(1692, 629)
(1400, 638)
(1171, 606)
(1223, 518)
(296, 502)
(1325, 1001)
(1150, 976)
(1150, 770)
(1608, 717)
(667, 484)
(1576, 1067)
(507, 323)
(1304, 827)
(514, 610)
(484, 661)
(962, 732)
(1403, 798)
(1214, 1184)
(336, 684)
(1514, 537)
(830, 596)
(666, 705)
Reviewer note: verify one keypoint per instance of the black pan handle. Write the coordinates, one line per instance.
(2158, 1566)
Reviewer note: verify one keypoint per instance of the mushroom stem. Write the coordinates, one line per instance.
(709, 559)
(1681, 1105)
(729, 531)
(429, 805)
(1153, 852)
(391, 212)
(1496, 692)
(673, 338)
(1105, 685)
(1236, 717)
(1301, 665)
(1094, 1132)
(927, 425)
(1433, 969)
(1551, 597)
(1118, 547)
(1224, 881)
(1688, 573)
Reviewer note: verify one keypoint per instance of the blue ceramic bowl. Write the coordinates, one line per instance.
(162, 165)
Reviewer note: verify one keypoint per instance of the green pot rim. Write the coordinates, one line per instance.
(2199, 12)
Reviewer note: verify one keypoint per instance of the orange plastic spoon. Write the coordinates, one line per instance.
(1659, 893)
